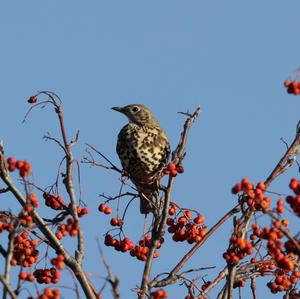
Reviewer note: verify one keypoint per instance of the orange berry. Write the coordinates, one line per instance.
(199, 219)
(30, 277)
(172, 210)
(23, 275)
(261, 186)
(60, 265)
(73, 233)
(102, 207)
(245, 182)
(287, 83)
(171, 166)
(173, 173)
(19, 164)
(59, 235)
(280, 209)
(280, 202)
(115, 221)
(180, 169)
(107, 210)
(188, 214)
(293, 184)
(236, 188)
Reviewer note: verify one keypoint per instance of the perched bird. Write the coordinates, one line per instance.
(143, 149)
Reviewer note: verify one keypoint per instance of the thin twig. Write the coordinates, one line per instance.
(92, 161)
(112, 279)
(8, 288)
(9, 254)
(160, 220)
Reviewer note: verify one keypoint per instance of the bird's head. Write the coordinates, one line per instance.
(137, 114)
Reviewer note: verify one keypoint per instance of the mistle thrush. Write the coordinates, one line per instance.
(143, 149)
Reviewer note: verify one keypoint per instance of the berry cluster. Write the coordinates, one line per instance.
(23, 166)
(26, 276)
(280, 206)
(32, 200)
(115, 221)
(239, 284)
(24, 251)
(275, 246)
(123, 245)
(282, 254)
(239, 249)
(82, 211)
(292, 87)
(32, 100)
(47, 275)
(159, 294)
(6, 226)
(141, 250)
(253, 196)
(104, 208)
(70, 228)
(283, 281)
(172, 169)
(58, 262)
(49, 294)
(294, 201)
(183, 227)
(25, 216)
(54, 201)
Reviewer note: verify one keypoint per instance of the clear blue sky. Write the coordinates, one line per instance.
(229, 57)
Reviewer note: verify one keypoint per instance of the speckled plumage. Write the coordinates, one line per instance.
(143, 149)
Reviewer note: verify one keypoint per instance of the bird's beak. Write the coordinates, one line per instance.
(119, 109)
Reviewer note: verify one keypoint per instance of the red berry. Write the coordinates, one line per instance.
(19, 164)
(180, 169)
(107, 210)
(173, 173)
(11, 160)
(32, 100)
(287, 83)
(171, 166)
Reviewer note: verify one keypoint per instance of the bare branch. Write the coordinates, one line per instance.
(112, 279)
(92, 161)
(160, 220)
(8, 288)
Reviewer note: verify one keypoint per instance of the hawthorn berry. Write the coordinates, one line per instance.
(54, 201)
(159, 294)
(104, 208)
(58, 262)
(32, 100)
(184, 228)
(24, 251)
(116, 221)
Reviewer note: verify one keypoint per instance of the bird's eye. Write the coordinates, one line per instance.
(135, 109)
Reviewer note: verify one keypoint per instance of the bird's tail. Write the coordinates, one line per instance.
(148, 202)
(148, 197)
(148, 188)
